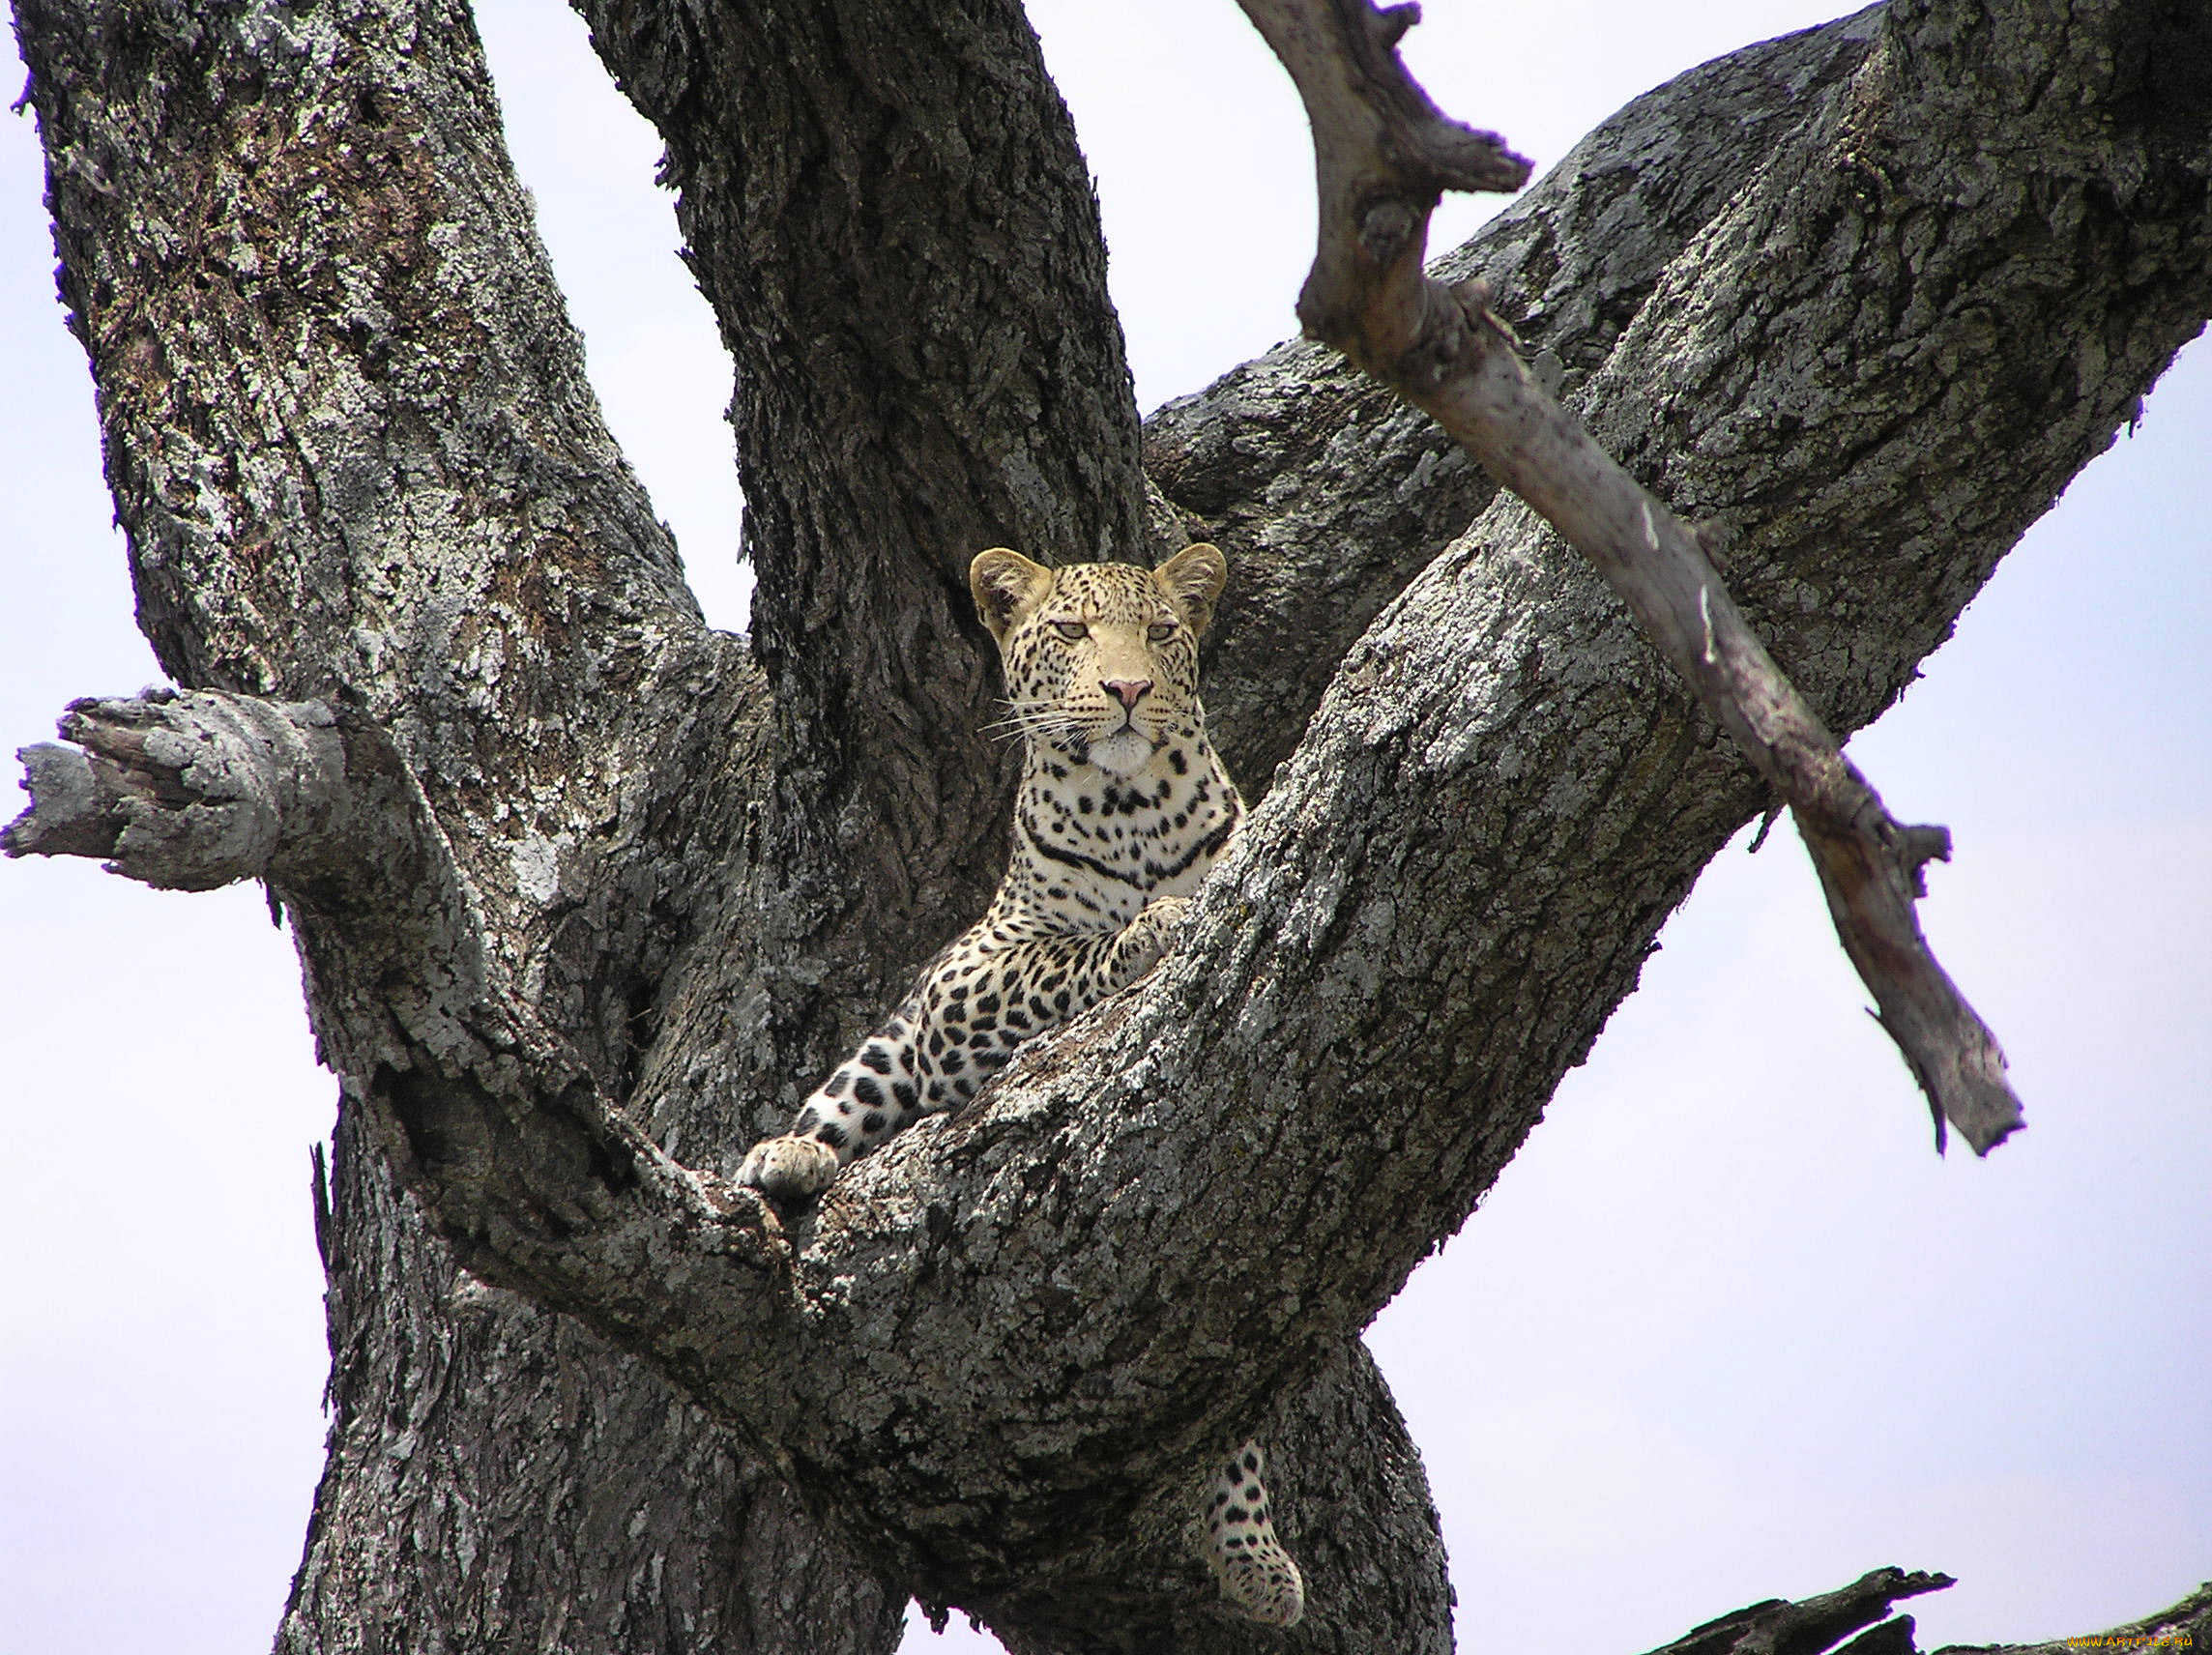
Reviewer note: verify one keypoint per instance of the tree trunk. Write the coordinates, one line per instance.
(587, 895)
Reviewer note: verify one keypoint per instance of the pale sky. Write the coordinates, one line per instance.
(1726, 1329)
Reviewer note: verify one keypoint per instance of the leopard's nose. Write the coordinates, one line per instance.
(1125, 690)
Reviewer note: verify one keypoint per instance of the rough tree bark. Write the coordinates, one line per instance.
(1385, 154)
(586, 894)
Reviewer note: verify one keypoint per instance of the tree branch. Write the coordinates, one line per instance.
(1004, 1343)
(488, 1112)
(1817, 1624)
(188, 792)
(1383, 151)
(1330, 493)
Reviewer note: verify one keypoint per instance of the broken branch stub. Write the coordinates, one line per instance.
(184, 792)
(1383, 152)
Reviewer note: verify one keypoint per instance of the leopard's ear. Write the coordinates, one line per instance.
(1007, 587)
(1192, 579)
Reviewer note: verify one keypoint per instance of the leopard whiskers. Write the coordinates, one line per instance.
(1039, 718)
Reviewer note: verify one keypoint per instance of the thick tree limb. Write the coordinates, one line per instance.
(1383, 151)
(887, 207)
(350, 438)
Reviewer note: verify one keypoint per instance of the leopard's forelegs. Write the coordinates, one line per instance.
(976, 1004)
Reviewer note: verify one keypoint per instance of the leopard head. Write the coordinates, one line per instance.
(1102, 659)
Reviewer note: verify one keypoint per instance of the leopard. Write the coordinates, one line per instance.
(1123, 807)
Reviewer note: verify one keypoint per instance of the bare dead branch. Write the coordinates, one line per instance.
(1818, 1623)
(183, 792)
(1821, 1624)
(1382, 152)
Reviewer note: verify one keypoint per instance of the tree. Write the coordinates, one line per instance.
(621, 978)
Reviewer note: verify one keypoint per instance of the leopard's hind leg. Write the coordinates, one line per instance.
(1256, 1572)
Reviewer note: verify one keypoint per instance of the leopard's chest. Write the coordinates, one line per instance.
(1092, 848)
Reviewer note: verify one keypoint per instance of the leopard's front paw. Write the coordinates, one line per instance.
(790, 1168)
(1164, 917)
(1152, 933)
(1165, 914)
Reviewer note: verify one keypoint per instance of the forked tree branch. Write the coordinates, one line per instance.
(991, 1358)
(1383, 152)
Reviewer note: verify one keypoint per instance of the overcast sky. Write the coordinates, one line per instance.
(1726, 1329)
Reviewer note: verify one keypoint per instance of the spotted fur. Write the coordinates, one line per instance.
(1254, 1569)
(1124, 807)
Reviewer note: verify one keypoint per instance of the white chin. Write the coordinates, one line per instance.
(1123, 753)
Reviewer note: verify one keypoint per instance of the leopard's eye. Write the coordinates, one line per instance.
(1160, 632)
(1071, 629)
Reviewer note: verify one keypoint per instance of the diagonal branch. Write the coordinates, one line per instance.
(1383, 151)
(1329, 493)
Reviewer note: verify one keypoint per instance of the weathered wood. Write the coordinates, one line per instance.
(1385, 152)
(1817, 1624)
(1857, 1613)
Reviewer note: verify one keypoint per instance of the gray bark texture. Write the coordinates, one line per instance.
(1383, 152)
(588, 895)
